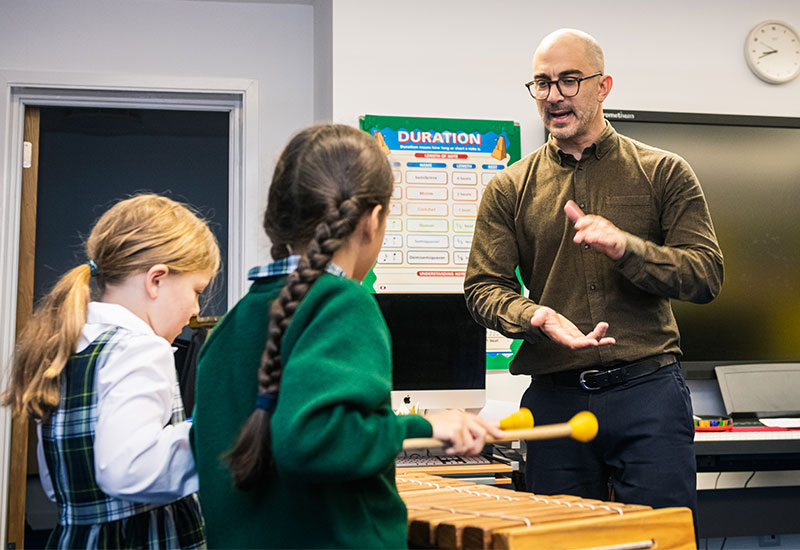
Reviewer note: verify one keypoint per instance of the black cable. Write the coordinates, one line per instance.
(498, 449)
(716, 483)
(749, 478)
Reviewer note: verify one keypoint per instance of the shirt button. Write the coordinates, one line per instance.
(592, 286)
(582, 205)
(585, 246)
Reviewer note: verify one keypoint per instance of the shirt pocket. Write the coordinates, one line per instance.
(631, 213)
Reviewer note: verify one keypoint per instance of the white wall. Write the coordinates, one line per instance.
(469, 59)
(267, 42)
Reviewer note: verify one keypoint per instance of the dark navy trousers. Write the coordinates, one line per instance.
(644, 449)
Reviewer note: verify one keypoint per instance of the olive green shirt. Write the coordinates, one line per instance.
(671, 252)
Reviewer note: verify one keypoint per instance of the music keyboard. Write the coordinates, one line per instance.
(747, 442)
(454, 465)
(419, 459)
(756, 435)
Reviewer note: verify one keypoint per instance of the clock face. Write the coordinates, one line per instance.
(772, 51)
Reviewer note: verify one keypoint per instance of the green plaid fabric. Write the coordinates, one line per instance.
(286, 265)
(89, 518)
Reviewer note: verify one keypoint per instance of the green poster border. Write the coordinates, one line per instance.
(511, 129)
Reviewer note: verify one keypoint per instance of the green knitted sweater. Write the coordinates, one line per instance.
(334, 434)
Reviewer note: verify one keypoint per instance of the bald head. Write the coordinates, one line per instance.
(575, 41)
(568, 66)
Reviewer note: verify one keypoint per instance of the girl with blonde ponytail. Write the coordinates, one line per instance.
(94, 367)
(293, 416)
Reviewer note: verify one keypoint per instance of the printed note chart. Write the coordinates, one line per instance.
(441, 168)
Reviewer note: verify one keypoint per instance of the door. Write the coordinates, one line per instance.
(88, 158)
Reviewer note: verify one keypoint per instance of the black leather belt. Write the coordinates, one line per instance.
(595, 379)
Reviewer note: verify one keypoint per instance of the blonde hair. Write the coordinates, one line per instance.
(132, 236)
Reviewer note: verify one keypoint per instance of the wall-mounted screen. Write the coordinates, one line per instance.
(749, 169)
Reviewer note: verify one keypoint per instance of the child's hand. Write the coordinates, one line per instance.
(464, 432)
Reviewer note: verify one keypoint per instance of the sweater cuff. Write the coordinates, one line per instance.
(416, 426)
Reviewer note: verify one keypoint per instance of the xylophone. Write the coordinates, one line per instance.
(451, 513)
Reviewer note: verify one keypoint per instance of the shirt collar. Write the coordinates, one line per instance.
(284, 266)
(598, 149)
(104, 313)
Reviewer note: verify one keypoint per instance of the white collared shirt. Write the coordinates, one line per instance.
(138, 455)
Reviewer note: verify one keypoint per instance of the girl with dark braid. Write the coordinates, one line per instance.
(294, 436)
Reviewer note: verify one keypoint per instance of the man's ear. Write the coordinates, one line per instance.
(153, 279)
(605, 86)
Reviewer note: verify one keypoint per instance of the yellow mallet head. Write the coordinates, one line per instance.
(520, 420)
(584, 426)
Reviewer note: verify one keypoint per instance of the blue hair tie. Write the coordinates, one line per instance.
(266, 401)
(92, 267)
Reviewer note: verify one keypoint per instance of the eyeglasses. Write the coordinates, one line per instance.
(568, 86)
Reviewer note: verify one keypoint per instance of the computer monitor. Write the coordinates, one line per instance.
(438, 351)
(763, 390)
(749, 170)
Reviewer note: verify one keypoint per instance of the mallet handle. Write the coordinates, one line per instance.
(542, 432)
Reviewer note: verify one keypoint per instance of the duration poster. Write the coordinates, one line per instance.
(441, 168)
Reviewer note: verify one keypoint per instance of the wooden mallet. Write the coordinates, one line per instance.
(520, 420)
(581, 427)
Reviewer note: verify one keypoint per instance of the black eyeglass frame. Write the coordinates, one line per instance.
(558, 85)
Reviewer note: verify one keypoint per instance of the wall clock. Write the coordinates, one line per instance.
(772, 51)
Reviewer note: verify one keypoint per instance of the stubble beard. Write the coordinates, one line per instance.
(580, 122)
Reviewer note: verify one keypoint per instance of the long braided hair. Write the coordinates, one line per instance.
(325, 180)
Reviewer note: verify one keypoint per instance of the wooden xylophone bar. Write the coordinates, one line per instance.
(449, 513)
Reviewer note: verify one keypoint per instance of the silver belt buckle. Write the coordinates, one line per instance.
(582, 380)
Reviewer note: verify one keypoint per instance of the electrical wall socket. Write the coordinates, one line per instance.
(769, 540)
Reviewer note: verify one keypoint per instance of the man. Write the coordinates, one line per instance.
(604, 231)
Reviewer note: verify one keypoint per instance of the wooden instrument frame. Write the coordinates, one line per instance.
(451, 513)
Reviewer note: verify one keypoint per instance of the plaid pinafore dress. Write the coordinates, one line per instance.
(89, 518)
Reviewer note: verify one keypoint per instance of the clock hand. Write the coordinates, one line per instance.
(765, 54)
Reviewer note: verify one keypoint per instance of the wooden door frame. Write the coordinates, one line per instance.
(20, 459)
(238, 97)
